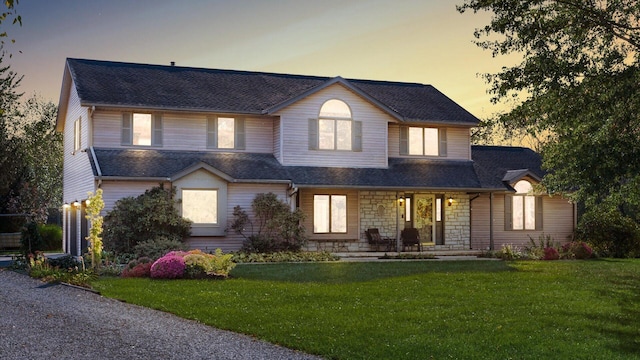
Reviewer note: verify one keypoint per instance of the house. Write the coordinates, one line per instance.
(351, 154)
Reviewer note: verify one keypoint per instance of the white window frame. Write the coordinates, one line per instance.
(214, 206)
(329, 214)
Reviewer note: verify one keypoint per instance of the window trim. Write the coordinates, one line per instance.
(346, 214)
(239, 132)
(157, 127)
(405, 144)
(217, 205)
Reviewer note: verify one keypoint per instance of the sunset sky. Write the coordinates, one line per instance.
(424, 41)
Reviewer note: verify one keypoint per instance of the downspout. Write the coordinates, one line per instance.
(98, 170)
(491, 245)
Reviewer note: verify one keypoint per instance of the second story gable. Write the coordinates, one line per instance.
(301, 120)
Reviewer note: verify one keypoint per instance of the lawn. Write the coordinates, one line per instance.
(411, 310)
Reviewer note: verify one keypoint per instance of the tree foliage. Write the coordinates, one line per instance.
(578, 79)
(273, 227)
(150, 216)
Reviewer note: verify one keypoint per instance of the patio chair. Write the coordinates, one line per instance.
(375, 239)
(410, 237)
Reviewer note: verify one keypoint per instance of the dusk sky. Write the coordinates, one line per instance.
(423, 41)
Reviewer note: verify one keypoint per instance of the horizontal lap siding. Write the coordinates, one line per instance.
(113, 191)
(558, 222)
(458, 143)
(295, 123)
(353, 213)
(77, 174)
(242, 195)
(182, 132)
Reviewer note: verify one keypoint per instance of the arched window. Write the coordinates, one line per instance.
(335, 126)
(524, 207)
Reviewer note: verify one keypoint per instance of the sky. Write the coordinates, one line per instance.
(421, 41)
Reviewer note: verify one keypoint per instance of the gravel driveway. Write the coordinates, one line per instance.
(44, 321)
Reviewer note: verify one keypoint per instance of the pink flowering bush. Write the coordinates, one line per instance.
(170, 266)
(577, 250)
(551, 253)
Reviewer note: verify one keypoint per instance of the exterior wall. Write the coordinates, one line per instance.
(458, 143)
(182, 131)
(242, 195)
(295, 124)
(77, 174)
(557, 222)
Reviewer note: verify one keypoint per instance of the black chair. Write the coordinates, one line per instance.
(410, 237)
(375, 239)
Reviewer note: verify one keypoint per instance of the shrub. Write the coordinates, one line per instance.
(51, 236)
(138, 268)
(64, 262)
(150, 216)
(169, 266)
(577, 250)
(610, 233)
(551, 253)
(156, 248)
(274, 226)
(31, 241)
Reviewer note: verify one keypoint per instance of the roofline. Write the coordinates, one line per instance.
(336, 80)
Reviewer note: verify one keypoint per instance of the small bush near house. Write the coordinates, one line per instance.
(576, 250)
(138, 268)
(31, 240)
(610, 233)
(51, 236)
(150, 216)
(273, 228)
(156, 248)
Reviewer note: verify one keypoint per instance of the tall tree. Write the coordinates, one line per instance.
(579, 80)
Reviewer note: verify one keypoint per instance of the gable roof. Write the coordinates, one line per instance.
(130, 85)
(501, 165)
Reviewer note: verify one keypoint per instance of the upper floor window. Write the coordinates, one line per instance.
(523, 210)
(335, 129)
(77, 134)
(141, 129)
(424, 141)
(225, 133)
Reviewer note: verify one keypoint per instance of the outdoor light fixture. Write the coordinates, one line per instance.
(450, 200)
(401, 200)
(76, 203)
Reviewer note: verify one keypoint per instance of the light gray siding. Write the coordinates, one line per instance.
(295, 125)
(77, 174)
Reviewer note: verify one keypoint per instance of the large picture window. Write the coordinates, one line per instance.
(200, 206)
(329, 213)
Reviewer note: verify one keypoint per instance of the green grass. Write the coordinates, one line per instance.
(411, 310)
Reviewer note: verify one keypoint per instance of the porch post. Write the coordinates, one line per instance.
(491, 221)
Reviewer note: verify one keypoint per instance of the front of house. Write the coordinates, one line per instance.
(351, 154)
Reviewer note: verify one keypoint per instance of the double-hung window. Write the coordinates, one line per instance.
(423, 141)
(335, 129)
(141, 129)
(329, 214)
(225, 133)
(523, 210)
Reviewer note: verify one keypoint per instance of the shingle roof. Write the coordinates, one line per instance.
(492, 163)
(110, 83)
(486, 172)
(401, 173)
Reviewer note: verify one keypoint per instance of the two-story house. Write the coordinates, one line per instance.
(351, 154)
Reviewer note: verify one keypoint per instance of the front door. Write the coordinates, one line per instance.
(423, 217)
